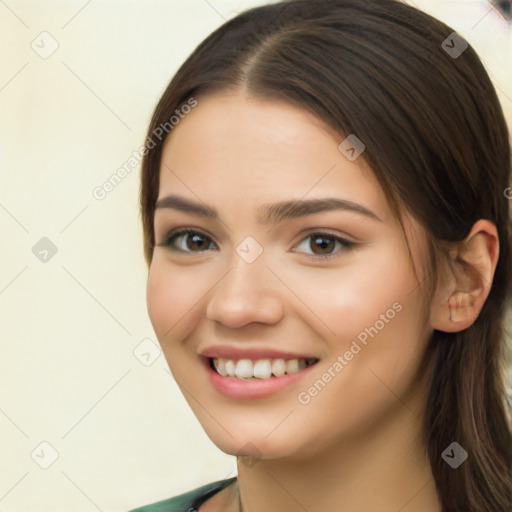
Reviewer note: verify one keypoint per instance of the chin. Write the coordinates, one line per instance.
(254, 444)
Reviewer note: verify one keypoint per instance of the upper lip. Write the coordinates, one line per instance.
(250, 353)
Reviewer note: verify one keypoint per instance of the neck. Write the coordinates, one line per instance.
(383, 468)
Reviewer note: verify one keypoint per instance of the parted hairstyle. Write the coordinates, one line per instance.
(437, 141)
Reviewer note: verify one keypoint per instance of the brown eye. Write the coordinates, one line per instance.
(196, 242)
(189, 241)
(323, 245)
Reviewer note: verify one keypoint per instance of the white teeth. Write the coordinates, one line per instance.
(262, 369)
(230, 367)
(220, 366)
(292, 366)
(245, 369)
(278, 367)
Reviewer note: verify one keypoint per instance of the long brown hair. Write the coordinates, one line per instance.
(437, 141)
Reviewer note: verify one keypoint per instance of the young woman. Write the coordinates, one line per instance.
(328, 235)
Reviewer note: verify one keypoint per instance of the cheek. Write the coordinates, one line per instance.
(380, 336)
(349, 299)
(372, 316)
(171, 295)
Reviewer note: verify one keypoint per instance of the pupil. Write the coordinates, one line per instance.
(198, 241)
(324, 243)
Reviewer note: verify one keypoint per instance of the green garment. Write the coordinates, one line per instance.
(188, 502)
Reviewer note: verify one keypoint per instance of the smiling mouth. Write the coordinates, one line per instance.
(263, 369)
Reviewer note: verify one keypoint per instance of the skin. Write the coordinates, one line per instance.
(356, 446)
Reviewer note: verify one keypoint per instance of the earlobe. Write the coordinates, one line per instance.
(458, 304)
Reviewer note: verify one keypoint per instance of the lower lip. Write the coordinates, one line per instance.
(253, 388)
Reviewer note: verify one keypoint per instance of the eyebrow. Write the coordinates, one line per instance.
(270, 213)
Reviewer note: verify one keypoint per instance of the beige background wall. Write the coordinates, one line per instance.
(71, 321)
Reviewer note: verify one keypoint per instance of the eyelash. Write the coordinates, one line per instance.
(346, 244)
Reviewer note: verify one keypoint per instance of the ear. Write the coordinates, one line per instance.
(459, 300)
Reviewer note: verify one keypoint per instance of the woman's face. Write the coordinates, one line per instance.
(293, 255)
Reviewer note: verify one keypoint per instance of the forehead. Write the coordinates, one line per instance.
(233, 144)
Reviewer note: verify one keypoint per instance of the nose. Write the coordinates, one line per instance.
(249, 293)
